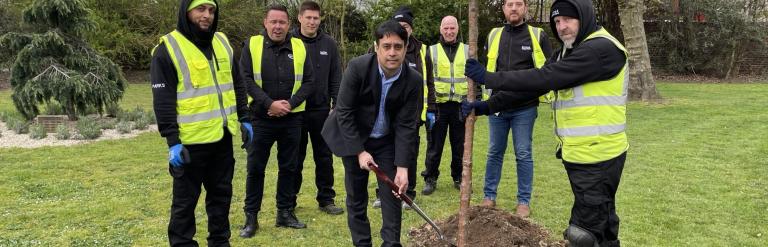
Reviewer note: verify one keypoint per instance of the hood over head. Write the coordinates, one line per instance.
(201, 39)
(586, 15)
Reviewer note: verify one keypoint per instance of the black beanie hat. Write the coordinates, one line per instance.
(404, 14)
(564, 8)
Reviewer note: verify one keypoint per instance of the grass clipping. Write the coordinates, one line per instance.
(486, 227)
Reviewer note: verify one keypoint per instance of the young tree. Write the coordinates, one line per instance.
(469, 133)
(57, 64)
(641, 83)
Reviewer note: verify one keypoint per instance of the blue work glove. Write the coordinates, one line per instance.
(475, 71)
(430, 119)
(246, 129)
(481, 108)
(178, 155)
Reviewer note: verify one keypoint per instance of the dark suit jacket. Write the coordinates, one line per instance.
(350, 124)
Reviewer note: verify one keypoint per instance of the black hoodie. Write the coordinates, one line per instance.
(323, 51)
(164, 78)
(594, 60)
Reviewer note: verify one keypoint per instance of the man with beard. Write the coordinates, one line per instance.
(325, 56)
(589, 76)
(198, 103)
(516, 46)
(279, 76)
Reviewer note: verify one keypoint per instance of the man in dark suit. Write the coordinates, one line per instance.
(375, 122)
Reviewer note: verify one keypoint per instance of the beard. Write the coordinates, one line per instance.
(568, 43)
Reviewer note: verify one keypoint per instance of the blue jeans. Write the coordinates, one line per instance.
(521, 122)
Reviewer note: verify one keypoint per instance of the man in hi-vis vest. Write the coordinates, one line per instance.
(198, 102)
(589, 76)
(516, 46)
(278, 73)
(448, 58)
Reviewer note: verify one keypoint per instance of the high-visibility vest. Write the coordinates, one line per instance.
(494, 38)
(422, 55)
(205, 93)
(256, 46)
(590, 119)
(450, 82)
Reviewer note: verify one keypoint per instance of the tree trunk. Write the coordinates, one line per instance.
(466, 172)
(641, 84)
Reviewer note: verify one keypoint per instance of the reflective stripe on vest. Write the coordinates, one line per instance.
(423, 56)
(205, 96)
(256, 46)
(590, 119)
(537, 55)
(445, 73)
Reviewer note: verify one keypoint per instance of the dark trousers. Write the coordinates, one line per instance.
(594, 189)
(449, 119)
(412, 166)
(211, 166)
(313, 124)
(356, 184)
(287, 138)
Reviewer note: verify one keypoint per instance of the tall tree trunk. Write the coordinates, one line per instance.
(608, 14)
(641, 83)
(469, 133)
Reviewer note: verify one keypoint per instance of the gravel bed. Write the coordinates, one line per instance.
(11, 139)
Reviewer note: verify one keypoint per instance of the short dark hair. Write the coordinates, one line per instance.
(391, 27)
(277, 7)
(310, 5)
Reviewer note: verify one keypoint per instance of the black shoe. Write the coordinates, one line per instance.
(332, 209)
(457, 185)
(251, 225)
(429, 186)
(286, 218)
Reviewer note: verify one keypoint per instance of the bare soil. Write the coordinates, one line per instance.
(487, 227)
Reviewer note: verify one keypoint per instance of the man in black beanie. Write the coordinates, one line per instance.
(417, 58)
(589, 76)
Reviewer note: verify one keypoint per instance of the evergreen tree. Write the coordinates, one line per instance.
(56, 64)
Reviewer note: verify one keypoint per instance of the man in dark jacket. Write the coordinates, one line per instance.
(515, 46)
(417, 58)
(375, 123)
(279, 76)
(325, 56)
(589, 76)
(198, 103)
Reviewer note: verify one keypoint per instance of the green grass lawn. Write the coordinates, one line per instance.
(696, 175)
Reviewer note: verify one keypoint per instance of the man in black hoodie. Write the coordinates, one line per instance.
(325, 56)
(198, 103)
(589, 75)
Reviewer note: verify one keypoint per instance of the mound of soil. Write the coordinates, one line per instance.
(486, 227)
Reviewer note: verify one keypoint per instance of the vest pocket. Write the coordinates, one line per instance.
(200, 73)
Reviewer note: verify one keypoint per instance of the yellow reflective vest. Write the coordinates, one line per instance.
(422, 55)
(205, 96)
(494, 38)
(256, 46)
(590, 119)
(450, 83)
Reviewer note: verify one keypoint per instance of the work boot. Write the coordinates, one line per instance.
(457, 184)
(376, 203)
(488, 203)
(429, 186)
(286, 218)
(332, 209)
(251, 225)
(523, 210)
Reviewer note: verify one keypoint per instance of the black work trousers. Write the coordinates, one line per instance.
(356, 184)
(211, 165)
(412, 166)
(450, 122)
(313, 124)
(594, 189)
(264, 136)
